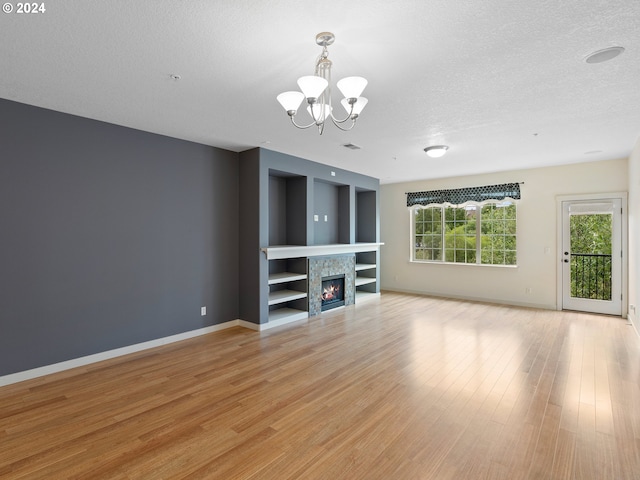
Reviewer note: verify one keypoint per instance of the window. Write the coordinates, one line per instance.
(498, 234)
(484, 234)
(465, 225)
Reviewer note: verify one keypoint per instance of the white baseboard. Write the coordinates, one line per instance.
(138, 347)
(118, 352)
(633, 320)
(266, 326)
(496, 301)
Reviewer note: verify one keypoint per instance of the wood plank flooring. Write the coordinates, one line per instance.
(402, 387)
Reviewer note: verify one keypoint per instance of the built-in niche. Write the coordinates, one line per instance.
(366, 231)
(331, 213)
(325, 213)
(287, 209)
(366, 217)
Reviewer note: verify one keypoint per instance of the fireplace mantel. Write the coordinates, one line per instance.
(295, 251)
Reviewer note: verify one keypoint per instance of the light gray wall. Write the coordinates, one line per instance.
(109, 236)
(634, 236)
(533, 281)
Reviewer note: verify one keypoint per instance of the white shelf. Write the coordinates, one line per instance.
(364, 281)
(282, 296)
(364, 266)
(286, 315)
(284, 277)
(364, 296)
(294, 251)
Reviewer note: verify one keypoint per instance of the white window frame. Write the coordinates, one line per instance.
(478, 208)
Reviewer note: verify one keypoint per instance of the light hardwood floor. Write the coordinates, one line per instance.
(404, 387)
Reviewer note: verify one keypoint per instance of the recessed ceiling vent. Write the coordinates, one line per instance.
(351, 146)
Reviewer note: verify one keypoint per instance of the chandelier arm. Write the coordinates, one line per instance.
(302, 127)
(349, 116)
(336, 121)
(338, 124)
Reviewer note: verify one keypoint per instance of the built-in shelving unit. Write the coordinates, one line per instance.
(294, 210)
(365, 266)
(360, 281)
(287, 285)
(283, 296)
(286, 315)
(290, 251)
(287, 298)
(362, 296)
(366, 275)
(285, 277)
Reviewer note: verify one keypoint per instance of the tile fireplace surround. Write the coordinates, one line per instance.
(320, 267)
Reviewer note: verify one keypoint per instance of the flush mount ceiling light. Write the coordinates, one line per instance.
(316, 89)
(436, 151)
(604, 55)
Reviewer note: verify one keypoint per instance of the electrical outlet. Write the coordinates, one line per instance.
(316, 218)
(326, 218)
(203, 311)
(333, 174)
(527, 290)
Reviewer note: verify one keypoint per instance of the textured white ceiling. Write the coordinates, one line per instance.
(504, 84)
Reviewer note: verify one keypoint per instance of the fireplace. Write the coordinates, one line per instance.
(327, 268)
(332, 292)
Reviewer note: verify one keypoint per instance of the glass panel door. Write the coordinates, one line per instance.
(591, 256)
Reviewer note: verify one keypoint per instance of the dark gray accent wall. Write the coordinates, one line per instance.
(109, 236)
(296, 211)
(325, 204)
(346, 214)
(254, 222)
(366, 226)
(277, 210)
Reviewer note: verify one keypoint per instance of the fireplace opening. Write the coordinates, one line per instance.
(332, 292)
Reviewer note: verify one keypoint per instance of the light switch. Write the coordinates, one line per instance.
(315, 218)
(326, 218)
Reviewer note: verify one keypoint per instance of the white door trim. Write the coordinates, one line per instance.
(625, 236)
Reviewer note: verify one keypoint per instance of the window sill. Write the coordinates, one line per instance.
(428, 262)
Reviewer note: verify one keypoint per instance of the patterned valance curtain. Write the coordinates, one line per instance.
(459, 196)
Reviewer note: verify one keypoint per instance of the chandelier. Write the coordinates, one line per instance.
(317, 90)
